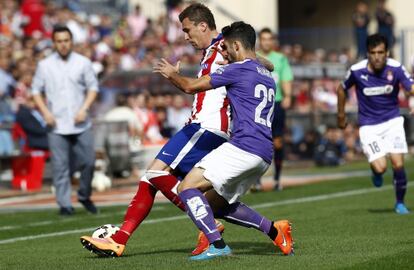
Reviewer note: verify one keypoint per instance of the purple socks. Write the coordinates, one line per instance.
(400, 184)
(240, 214)
(200, 212)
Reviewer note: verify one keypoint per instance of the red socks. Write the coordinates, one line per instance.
(165, 184)
(141, 204)
(138, 210)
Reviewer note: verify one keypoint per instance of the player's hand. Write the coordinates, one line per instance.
(342, 122)
(81, 116)
(49, 119)
(412, 111)
(286, 102)
(165, 68)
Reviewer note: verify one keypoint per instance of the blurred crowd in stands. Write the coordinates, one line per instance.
(134, 42)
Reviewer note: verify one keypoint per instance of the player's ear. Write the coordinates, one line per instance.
(236, 45)
(203, 26)
(388, 54)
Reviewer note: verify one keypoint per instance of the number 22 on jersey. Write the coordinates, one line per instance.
(267, 96)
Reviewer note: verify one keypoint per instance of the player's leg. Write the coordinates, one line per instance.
(137, 211)
(278, 126)
(375, 149)
(187, 148)
(141, 204)
(378, 168)
(240, 214)
(191, 194)
(157, 177)
(180, 154)
(400, 182)
(160, 177)
(176, 154)
(395, 137)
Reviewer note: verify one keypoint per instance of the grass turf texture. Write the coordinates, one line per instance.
(357, 231)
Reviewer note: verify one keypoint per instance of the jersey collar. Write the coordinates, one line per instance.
(219, 37)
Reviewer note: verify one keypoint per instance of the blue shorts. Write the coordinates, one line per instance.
(187, 147)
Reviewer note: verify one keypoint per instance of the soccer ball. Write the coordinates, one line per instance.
(105, 231)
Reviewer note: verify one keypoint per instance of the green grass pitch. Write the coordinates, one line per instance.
(344, 224)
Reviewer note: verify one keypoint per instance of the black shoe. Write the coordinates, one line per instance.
(89, 206)
(278, 186)
(66, 211)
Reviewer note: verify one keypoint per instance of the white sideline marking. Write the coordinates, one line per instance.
(47, 222)
(257, 206)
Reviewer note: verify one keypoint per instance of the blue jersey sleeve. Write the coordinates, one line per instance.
(405, 78)
(223, 76)
(349, 80)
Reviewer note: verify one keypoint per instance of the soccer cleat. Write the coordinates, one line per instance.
(105, 247)
(401, 209)
(212, 253)
(284, 237)
(203, 244)
(377, 179)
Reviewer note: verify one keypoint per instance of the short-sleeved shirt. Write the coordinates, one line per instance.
(65, 84)
(250, 89)
(377, 93)
(282, 71)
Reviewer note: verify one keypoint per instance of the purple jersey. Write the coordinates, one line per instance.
(251, 91)
(377, 93)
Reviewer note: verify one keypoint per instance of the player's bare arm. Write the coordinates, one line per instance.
(186, 84)
(341, 117)
(266, 63)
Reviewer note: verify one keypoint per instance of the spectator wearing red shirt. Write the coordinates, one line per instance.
(34, 10)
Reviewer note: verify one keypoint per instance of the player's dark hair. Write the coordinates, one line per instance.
(198, 13)
(375, 40)
(61, 29)
(265, 30)
(242, 32)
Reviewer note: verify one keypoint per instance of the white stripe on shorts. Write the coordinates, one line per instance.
(187, 148)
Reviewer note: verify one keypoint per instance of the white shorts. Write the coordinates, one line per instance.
(232, 170)
(382, 139)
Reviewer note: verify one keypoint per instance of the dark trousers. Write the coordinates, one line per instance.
(72, 149)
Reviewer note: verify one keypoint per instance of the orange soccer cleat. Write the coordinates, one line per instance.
(203, 244)
(284, 236)
(105, 247)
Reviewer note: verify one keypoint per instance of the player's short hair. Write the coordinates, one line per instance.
(375, 40)
(242, 32)
(198, 13)
(265, 30)
(60, 29)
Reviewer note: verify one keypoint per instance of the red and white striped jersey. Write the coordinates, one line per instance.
(211, 108)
